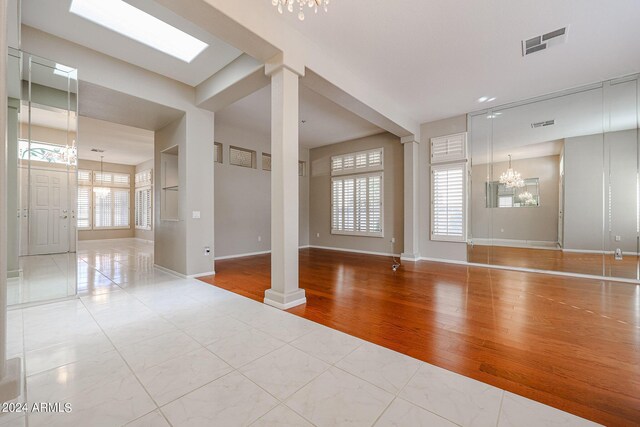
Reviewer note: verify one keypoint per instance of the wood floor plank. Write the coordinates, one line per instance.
(570, 343)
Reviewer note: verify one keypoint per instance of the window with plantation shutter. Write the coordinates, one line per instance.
(449, 148)
(360, 162)
(83, 215)
(448, 206)
(356, 205)
(110, 208)
(84, 177)
(143, 208)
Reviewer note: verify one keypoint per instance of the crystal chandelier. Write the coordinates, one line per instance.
(282, 4)
(511, 178)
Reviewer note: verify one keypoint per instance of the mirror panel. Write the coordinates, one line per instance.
(42, 179)
(554, 183)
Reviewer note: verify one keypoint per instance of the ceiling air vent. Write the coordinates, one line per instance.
(543, 124)
(97, 150)
(538, 43)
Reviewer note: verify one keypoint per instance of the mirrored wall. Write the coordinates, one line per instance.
(554, 183)
(42, 136)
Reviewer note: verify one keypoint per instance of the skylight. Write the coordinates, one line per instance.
(132, 22)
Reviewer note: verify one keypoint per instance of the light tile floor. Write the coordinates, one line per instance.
(141, 347)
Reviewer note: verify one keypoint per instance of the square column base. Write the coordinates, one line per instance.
(284, 301)
(409, 257)
(11, 384)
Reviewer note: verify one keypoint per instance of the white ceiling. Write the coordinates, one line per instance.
(436, 58)
(121, 144)
(54, 17)
(326, 122)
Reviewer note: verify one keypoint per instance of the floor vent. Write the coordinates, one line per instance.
(538, 43)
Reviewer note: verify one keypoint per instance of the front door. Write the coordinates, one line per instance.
(49, 212)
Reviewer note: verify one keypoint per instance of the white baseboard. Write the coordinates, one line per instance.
(533, 270)
(514, 243)
(143, 240)
(590, 251)
(195, 276)
(168, 270)
(355, 251)
(218, 258)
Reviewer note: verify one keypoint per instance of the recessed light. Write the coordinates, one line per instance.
(132, 22)
(483, 99)
(491, 99)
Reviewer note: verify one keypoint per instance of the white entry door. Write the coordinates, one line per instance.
(49, 216)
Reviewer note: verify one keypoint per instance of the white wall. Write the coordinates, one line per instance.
(320, 196)
(243, 196)
(195, 138)
(428, 248)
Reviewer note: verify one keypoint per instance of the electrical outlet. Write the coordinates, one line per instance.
(207, 251)
(195, 214)
(259, 238)
(618, 238)
(317, 234)
(393, 240)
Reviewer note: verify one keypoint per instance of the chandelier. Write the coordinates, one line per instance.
(511, 178)
(281, 4)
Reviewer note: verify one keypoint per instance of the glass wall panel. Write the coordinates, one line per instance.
(42, 179)
(555, 182)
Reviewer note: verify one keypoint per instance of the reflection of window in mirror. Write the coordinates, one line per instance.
(502, 196)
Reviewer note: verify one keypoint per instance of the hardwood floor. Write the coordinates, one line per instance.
(570, 343)
(545, 259)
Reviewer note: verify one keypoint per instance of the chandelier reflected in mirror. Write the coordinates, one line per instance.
(289, 5)
(511, 178)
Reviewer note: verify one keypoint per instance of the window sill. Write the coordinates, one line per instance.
(357, 233)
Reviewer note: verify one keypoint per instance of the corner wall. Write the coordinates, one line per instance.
(320, 196)
(243, 196)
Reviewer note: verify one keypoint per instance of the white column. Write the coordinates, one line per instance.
(284, 292)
(411, 202)
(9, 369)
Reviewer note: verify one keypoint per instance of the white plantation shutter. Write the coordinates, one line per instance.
(356, 205)
(360, 162)
(449, 148)
(102, 205)
(120, 208)
(143, 208)
(84, 177)
(83, 215)
(448, 202)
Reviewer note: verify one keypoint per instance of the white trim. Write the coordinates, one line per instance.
(355, 251)
(514, 243)
(195, 276)
(409, 257)
(172, 272)
(533, 270)
(590, 251)
(142, 240)
(250, 254)
(287, 306)
(241, 255)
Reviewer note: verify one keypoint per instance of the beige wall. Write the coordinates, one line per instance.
(537, 224)
(243, 197)
(110, 234)
(429, 248)
(320, 196)
(146, 234)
